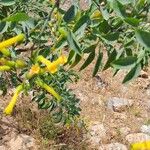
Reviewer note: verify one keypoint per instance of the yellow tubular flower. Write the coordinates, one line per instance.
(43, 60)
(4, 68)
(11, 41)
(61, 60)
(49, 89)
(52, 66)
(8, 110)
(5, 52)
(35, 69)
(141, 146)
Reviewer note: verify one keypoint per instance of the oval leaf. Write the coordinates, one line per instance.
(124, 63)
(98, 63)
(7, 2)
(133, 73)
(90, 49)
(88, 61)
(17, 17)
(143, 37)
(111, 58)
(70, 14)
(132, 21)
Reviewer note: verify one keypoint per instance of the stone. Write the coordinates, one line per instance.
(145, 129)
(113, 146)
(118, 104)
(3, 148)
(125, 131)
(144, 74)
(97, 133)
(22, 142)
(137, 137)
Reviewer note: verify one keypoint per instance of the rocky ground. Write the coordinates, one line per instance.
(116, 115)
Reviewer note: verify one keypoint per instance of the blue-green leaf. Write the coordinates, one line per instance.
(133, 73)
(98, 63)
(143, 37)
(124, 63)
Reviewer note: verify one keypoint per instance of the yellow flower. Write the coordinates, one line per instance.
(8, 110)
(43, 60)
(11, 41)
(5, 51)
(96, 15)
(49, 89)
(35, 69)
(61, 60)
(4, 68)
(52, 66)
(141, 146)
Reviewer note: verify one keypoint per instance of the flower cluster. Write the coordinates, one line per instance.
(7, 65)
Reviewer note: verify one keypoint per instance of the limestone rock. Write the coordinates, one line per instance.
(22, 142)
(137, 137)
(118, 104)
(145, 129)
(125, 131)
(113, 146)
(3, 148)
(97, 133)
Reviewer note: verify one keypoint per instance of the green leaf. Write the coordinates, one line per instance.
(133, 73)
(17, 17)
(88, 61)
(105, 13)
(111, 36)
(111, 58)
(81, 22)
(132, 21)
(90, 49)
(77, 60)
(104, 27)
(70, 14)
(119, 8)
(98, 63)
(70, 56)
(74, 45)
(143, 37)
(61, 42)
(124, 2)
(7, 2)
(3, 27)
(124, 63)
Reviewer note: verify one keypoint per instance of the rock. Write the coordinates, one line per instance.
(137, 137)
(22, 142)
(118, 104)
(97, 133)
(145, 129)
(125, 131)
(143, 74)
(148, 103)
(3, 148)
(113, 146)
